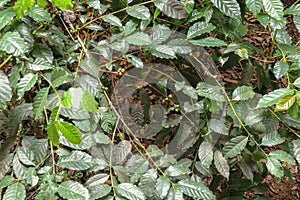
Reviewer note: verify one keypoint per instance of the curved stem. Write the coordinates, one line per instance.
(5, 61)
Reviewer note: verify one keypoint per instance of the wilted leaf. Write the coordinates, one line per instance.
(221, 164)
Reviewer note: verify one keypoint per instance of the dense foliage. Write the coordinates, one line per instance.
(120, 99)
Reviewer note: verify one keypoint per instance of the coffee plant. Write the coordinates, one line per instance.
(120, 100)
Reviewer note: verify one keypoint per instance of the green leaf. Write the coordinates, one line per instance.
(6, 16)
(6, 181)
(139, 12)
(107, 119)
(130, 27)
(38, 146)
(90, 65)
(60, 76)
(285, 103)
(243, 93)
(210, 91)
(189, 6)
(129, 191)
(274, 8)
(3, 2)
(42, 3)
(42, 51)
(221, 164)
(218, 126)
(97, 179)
(121, 151)
(136, 61)
(296, 148)
(274, 167)
(39, 64)
(208, 42)
(20, 113)
(5, 90)
(26, 83)
(160, 34)
(180, 46)
(66, 4)
(195, 190)
(231, 8)
(235, 146)
(73, 190)
(79, 98)
(96, 4)
(21, 6)
(39, 14)
(70, 132)
(271, 139)
(171, 8)
(98, 191)
(174, 193)
(18, 168)
(74, 113)
(138, 38)
(163, 51)
(293, 10)
(297, 82)
(273, 97)
(12, 43)
(162, 186)
(206, 154)
(280, 69)
(296, 19)
(199, 28)
(39, 102)
(147, 183)
(246, 169)
(53, 135)
(31, 177)
(26, 156)
(15, 191)
(177, 170)
(77, 160)
(291, 121)
(282, 156)
(254, 6)
(113, 20)
(89, 83)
